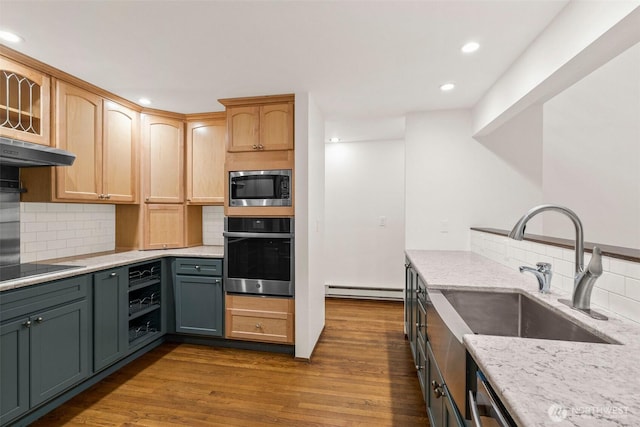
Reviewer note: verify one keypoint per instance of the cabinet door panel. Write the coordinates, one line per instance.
(14, 370)
(110, 314)
(243, 128)
(79, 130)
(276, 127)
(59, 350)
(164, 226)
(164, 172)
(205, 162)
(120, 167)
(26, 113)
(199, 307)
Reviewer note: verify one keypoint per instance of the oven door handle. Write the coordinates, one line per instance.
(258, 235)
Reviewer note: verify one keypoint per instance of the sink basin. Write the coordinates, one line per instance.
(516, 315)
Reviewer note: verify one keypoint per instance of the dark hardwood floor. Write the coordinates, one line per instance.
(361, 374)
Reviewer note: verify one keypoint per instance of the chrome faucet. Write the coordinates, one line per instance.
(543, 274)
(584, 278)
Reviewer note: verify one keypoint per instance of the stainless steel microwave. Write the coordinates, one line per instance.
(260, 188)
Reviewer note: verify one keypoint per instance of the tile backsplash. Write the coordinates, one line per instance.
(58, 230)
(212, 225)
(617, 290)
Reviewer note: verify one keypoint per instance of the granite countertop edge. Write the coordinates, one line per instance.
(90, 264)
(585, 384)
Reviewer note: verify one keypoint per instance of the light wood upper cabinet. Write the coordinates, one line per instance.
(25, 106)
(243, 128)
(276, 126)
(205, 153)
(120, 167)
(259, 123)
(78, 118)
(163, 159)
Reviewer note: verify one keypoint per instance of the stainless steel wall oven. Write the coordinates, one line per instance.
(259, 256)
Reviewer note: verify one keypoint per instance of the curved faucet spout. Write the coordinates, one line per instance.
(584, 279)
(517, 233)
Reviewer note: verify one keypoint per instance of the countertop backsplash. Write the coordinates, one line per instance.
(60, 230)
(617, 290)
(212, 225)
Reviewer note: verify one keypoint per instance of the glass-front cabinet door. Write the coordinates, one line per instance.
(24, 103)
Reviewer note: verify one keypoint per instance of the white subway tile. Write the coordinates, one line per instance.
(34, 227)
(600, 297)
(28, 237)
(35, 207)
(47, 255)
(28, 257)
(56, 207)
(625, 307)
(612, 283)
(27, 217)
(56, 244)
(44, 236)
(65, 234)
(56, 225)
(34, 247)
(632, 288)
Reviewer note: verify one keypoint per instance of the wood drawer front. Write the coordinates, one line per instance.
(199, 266)
(260, 319)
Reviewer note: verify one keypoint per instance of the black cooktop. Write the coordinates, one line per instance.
(17, 271)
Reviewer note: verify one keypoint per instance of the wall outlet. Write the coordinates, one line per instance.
(444, 226)
(382, 221)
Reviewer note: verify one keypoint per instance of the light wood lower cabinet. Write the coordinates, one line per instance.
(265, 319)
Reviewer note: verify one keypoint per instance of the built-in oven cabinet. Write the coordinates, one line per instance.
(198, 295)
(260, 318)
(24, 102)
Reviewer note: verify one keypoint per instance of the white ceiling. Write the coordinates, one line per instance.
(356, 58)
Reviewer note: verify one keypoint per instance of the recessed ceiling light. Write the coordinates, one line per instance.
(144, 101)
(470, 47)
(334, 139)
(10, 37)
(447, 87)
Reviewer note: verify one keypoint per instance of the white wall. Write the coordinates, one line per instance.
(454, 182)
(364, 186)
(584, 35)
(309, 226)
(592, 154)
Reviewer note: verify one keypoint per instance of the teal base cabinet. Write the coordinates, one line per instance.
(14, 370)
(199, 297)
(45, 343)
(110, 317)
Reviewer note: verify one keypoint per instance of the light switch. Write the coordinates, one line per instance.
(382, 222)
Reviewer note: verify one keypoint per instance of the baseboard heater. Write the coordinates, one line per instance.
(334, 291)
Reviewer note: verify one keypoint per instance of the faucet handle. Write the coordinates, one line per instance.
(544, 267)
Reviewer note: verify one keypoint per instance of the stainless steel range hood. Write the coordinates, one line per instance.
(25, 154)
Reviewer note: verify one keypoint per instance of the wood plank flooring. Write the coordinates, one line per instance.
(361, 374)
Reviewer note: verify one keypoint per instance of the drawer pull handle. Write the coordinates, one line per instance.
(114, 274)
(197, 267)
(27, 324)
(39, 320)
(258, 325)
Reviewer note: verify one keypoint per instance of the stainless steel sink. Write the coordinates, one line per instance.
(516, 315)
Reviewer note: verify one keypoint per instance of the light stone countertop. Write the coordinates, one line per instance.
(581, 384)
(91, 264)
